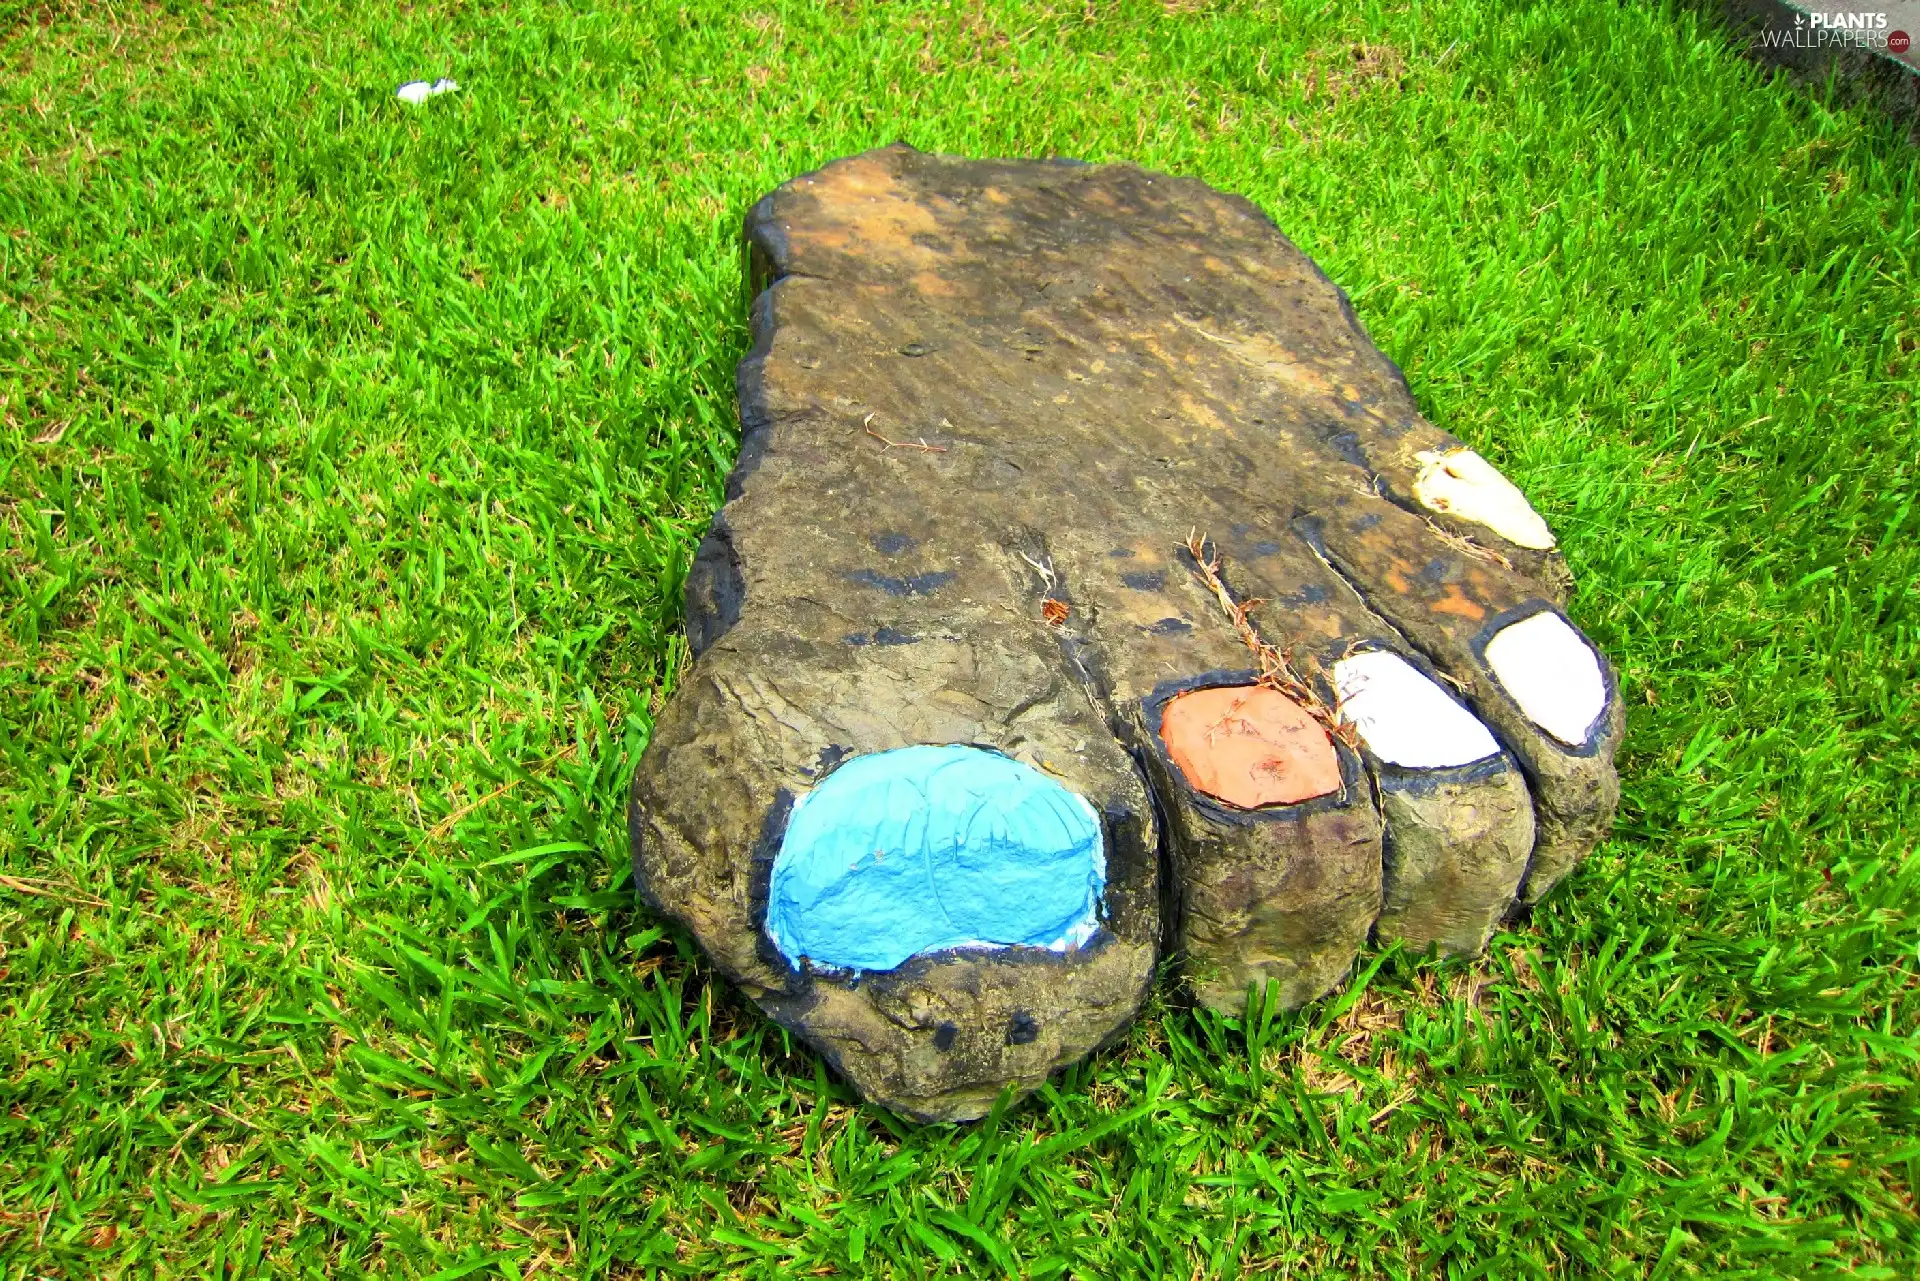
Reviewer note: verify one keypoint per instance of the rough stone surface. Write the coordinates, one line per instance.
(1457, 846)
(990, 409)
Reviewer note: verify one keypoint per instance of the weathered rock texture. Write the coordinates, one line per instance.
(988, 409)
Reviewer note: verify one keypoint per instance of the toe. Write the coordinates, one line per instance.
(1459, 825)
(1273, 891)
(1458, 815)
(1523, 669)
(929, 859)
(1274, 839)
(944, 911)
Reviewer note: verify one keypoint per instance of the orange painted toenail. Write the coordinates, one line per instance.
(1249, 746)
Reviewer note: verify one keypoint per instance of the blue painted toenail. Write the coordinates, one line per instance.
(920, 849)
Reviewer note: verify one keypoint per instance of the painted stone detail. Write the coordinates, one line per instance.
(1085, 481)
(1404, 717)
(1249, 746)
(1552, 673)
(1463, 483)
(920, 849)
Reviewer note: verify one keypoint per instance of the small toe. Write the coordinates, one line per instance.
(1273, 835)
(1273, 892)
(1459, 818)
(1524, 671)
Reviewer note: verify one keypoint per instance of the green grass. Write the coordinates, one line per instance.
(352, 457)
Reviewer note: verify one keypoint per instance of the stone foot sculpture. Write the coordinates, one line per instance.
(1088, 588)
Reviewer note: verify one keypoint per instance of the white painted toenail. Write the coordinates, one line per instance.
(1552, 673)
(1405, 718)
(1462, 483)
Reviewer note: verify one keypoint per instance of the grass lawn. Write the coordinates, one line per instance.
(351, 457)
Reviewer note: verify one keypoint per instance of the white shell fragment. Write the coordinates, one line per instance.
(1552, 673)
(418, 91)
(1404, 717)
(1462, 483)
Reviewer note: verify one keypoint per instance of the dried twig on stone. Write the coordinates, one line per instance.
(1274, 665)
(921, 445)
(1467, 547)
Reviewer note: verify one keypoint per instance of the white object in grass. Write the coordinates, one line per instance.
(1552, 673)
(1404, 717)
(1462, 483)
(418, 91)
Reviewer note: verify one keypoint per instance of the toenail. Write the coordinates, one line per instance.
(1552, 673)
(1462, 483)
(1405, 718)
(920, 849)
(1249, 746)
